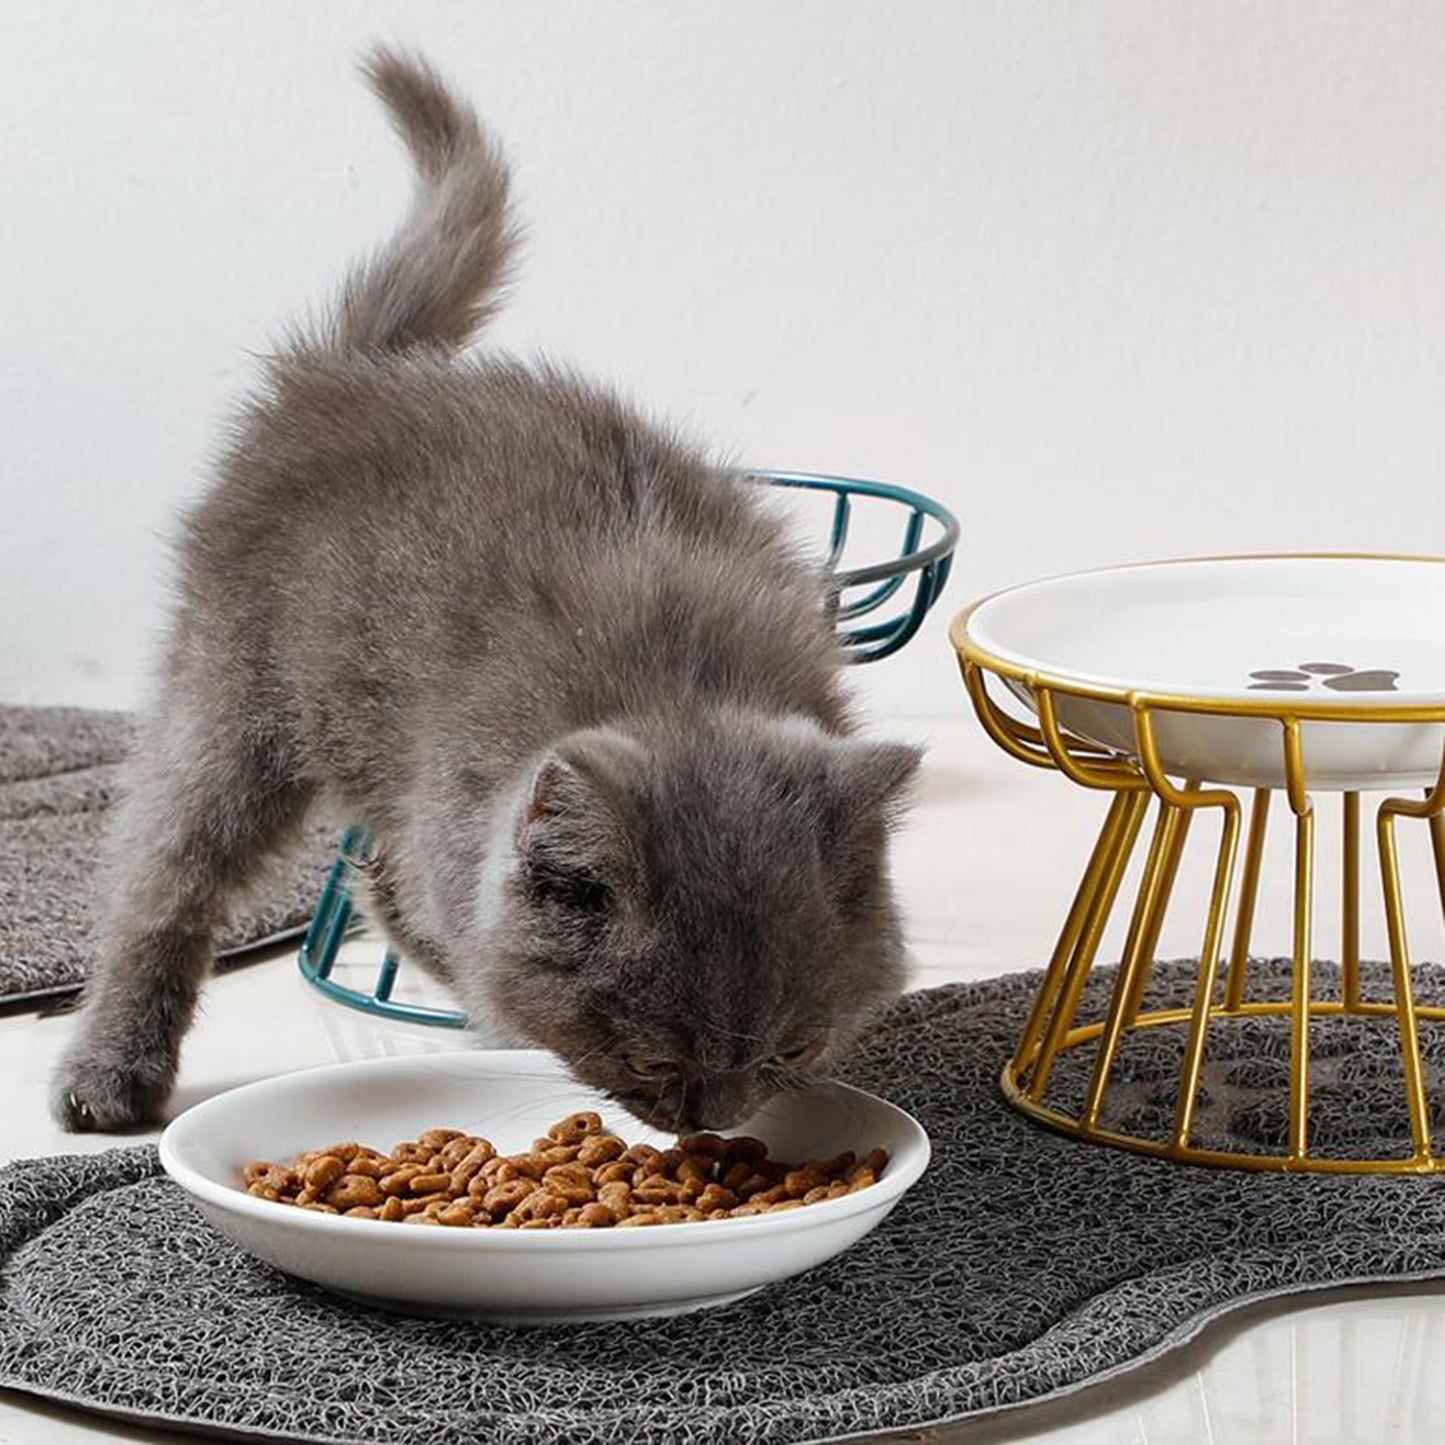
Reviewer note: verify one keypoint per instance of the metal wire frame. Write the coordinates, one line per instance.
(322, 943)
(927, 567)
(1137, 781)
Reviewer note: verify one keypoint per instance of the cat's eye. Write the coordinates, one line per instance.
(575, 892)
(647, 1068)
(799, 1055)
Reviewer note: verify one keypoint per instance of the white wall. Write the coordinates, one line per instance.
(1116, 280)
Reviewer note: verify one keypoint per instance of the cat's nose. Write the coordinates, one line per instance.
(717, 1102)
(711, 1123)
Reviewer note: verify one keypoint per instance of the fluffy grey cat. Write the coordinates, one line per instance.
(563, 667)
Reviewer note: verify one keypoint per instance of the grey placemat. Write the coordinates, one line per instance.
(59, 772)
(1022, 1265)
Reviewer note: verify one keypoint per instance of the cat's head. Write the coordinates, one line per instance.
(696, 917)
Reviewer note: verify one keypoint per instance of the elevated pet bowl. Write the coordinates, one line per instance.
(1219, 650)
(1295, 674)
(876, 607)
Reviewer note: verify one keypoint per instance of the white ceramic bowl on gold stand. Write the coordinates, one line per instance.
(1159, 683)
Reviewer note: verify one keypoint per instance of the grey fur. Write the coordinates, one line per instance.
(563, 667)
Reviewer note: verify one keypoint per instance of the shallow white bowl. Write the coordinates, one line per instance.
(516, 1276)
(1325, 636)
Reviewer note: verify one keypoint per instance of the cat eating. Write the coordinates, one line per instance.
(564, 669)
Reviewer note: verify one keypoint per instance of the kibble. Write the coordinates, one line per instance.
(577, 1176)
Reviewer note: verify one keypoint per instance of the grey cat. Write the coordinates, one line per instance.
(564, 669)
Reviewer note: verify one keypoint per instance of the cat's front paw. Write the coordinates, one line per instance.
(94, 1094)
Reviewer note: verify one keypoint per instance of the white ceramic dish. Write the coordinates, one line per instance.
(515, 1276)
(1331, 635)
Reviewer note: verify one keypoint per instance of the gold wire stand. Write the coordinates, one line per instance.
(1136, 782)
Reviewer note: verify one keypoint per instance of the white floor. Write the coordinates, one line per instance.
(986, 868)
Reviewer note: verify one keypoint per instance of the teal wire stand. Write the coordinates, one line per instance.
(319, 949)
(925, 568)
(912, 581)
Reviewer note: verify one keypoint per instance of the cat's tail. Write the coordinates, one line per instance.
(437, 280)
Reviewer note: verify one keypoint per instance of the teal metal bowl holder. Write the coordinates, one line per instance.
(875, 609)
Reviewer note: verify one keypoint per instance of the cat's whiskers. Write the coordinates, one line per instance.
(676, 1127)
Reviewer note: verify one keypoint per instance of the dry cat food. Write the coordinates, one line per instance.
(578, 1176)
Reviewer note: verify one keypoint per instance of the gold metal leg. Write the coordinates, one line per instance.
(1204, 985)
(1095, 922)
(1132, 959)
(1350, 904)
(1404, 992)
(1179, 822)
(1066, 946)
(1248, 897)
(1299, 1042)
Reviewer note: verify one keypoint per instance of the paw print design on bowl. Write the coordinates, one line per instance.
(1337, 676)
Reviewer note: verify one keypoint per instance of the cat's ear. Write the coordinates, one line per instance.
(869, 778)
(558, 793)
(867, 790)
(571, 830)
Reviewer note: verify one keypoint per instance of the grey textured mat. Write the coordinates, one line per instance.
(58, 773)
(1022, 1265)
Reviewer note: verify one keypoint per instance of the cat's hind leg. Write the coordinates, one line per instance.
(211, 796)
